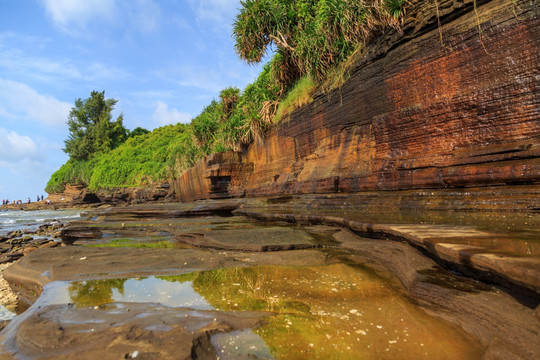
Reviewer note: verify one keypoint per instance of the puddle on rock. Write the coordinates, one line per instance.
(325, 312)
(138, 290)
(333, 312)
(242, 344)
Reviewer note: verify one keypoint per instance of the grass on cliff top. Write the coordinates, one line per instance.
(300, 95)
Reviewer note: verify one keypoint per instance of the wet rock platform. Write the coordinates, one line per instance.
(275, 278)
(498, 246)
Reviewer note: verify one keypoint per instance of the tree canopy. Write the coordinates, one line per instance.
(91, 130)
(311, 36)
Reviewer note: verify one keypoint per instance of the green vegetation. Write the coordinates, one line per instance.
(72, 172)
(95, 292)
(312, 36)
(90, 128)
(314, 42)
(141, 160)
(128, 243)
(301, 94)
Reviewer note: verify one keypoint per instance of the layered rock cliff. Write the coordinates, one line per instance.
(450, 102)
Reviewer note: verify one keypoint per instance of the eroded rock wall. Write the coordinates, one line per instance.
(417, 112)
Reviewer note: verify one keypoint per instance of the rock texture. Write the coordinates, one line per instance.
(415, 114)
(81, 196)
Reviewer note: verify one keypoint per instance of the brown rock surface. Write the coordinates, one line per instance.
(122, 331)
(40, 267)
(250, 240)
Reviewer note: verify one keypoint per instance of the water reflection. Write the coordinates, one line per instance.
(329, 312)
(333, 312)
(91, 293)
(139, 290)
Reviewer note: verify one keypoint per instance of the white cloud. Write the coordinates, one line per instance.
(217, 12)
(15, 147)
(163, 115)
(194, 76)
(19, 62)
(104, 71)
(16, 61)
(70, 15)
(144, 15)
(19, 101)
(73, 16)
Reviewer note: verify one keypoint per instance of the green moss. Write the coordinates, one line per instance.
(127, 243)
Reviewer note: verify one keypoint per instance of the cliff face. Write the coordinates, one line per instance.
(415, 114)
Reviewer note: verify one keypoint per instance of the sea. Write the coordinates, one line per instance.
(11, 220)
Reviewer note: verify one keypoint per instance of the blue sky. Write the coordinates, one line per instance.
(163, 60)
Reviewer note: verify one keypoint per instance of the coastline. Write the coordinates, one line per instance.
(20, 239)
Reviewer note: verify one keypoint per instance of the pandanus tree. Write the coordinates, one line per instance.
(311, 36)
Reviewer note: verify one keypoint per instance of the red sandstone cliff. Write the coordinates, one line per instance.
(414, 114)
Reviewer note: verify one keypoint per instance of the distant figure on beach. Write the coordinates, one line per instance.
(37, 198)
(29, 200)
(41, 197)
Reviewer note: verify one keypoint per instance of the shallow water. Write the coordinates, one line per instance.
(7, 313)
(31, 220)
(514, 234)
(326, 312)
